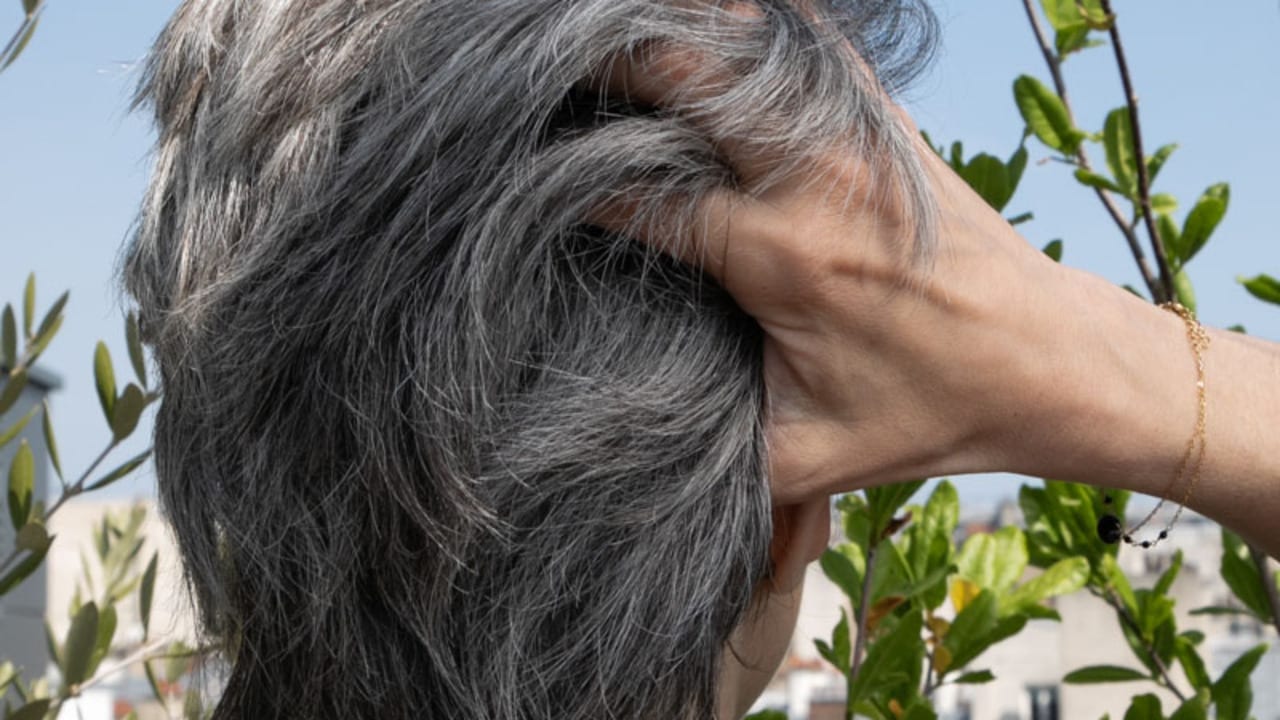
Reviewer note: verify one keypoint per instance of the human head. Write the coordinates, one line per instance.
(432, 445)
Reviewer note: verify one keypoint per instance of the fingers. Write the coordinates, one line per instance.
(658, 72)
(664, 73)
(694, 231)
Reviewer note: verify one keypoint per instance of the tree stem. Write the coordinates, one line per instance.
(1144, 180)
(860, 642)
(1123, 613)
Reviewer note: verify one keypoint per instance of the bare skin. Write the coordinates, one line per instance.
(998, 359)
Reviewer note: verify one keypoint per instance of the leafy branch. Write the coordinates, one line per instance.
(1144, 181)
(1159, 290)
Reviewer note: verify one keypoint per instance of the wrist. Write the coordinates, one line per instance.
(1116, 391)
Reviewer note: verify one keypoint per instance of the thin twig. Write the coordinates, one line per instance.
(142, 654)
(1082, 158)
(1132, 624)
(1144, 181)
(860, 642)
(75, 489)
(1268, 583)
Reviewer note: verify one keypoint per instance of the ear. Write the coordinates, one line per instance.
(800, 535)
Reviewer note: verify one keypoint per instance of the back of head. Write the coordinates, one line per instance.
(432, 445)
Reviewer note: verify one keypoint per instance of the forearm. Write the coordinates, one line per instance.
(1124, 409)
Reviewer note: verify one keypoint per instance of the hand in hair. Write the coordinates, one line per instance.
(880, 367)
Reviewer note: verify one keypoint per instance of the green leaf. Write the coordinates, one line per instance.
(1094, 180)
(1184, 290)
(28, 298)
(1072, 40)
(77, 652)
(1195, 708)
(53, 315)
(975, 678)
(1263, 287)
(1153, 612)
(1156, 162)
(855, 520)
(988, 177)
(22, 479)
(154, 683)
(928, 544)
(993, 561)
(105, 380)
(1016, 165)
(1046, 115)
(1117, 139)
(1103, 674)
(1168, 577)
(102, 641)
(128, 409)
(1242, 576)
(1118, 582)
(1170, 237)
(8, 673)
(22, 571)
(1145, 707)
(34, 710)
(1062, 578)
(1021, 218)
(1203, 220)
(15, 429)
(33, 537)
(841, 571)
(42, 340)
(1232, 693)
(1062, 14)
(884, 502)
(22, 43)
(134, 340)
(1163, 203)
(50, 442)
(899, 656)
(970, 628)
(838, 652)
(13, 389)
(8, 339)
(120, 472)
(1191, 662)
(1054, 250)
(145, 594)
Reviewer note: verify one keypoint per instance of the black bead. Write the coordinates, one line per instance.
(1106, 499)
(1164, 534)
(1146, 543)
(1128, 539)
(1109, 530)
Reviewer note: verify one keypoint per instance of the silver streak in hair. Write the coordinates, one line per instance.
(432, 445)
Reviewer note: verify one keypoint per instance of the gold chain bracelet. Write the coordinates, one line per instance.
(1110, 528)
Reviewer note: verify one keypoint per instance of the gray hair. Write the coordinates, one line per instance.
(433, 445)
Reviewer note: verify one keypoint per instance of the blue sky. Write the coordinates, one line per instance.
(73, 160)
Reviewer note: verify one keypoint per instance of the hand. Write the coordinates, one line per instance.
(991, 358)
(877, 368)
